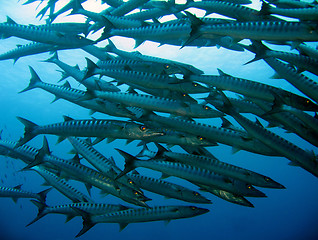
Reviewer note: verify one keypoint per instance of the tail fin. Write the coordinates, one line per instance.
(35, 79)
(91, 66)
(39, 157)
(129, 163)
(28, 131)
(41, 207)
(42, 195)
(110, 47)
(87, 221)
(53, 58)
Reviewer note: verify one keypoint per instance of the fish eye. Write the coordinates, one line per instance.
(130, 181)
(266, 179)
(200, 138)
(194, 208)
(195, 193)
(307, 101)
(249, 186)
(143, 128)
(184, 94)
(206, 107)
(80, 37)
(167, 66)
(136, 193)
(195, 84)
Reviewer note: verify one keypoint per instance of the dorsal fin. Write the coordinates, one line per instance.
(67, 118)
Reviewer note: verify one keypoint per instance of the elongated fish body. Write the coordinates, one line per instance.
(223, 168)
(152, 80)
(25, 153)
(155, 32)
(160, 104)
(191, 173)
(67, 27)
(308, 50)
(302, 62)
(129, 65)
(291, 123)
(126, 7)
(232, 10)
(97, 52)
(163, 93)
(303, 83)
(37, 34)
(74, 96)
(172, 67)
(100, 162)
(254, 89)
(305, 159)
(214, 134)
(90, 83)
(308, 120)
(15, 193)
(68, 209)
(242, 105)
(303, 14)
(115, 129)
(173, 137)
(91, 177)
(61, 185)
(167, 189)
(148, 14)
(29, 49)
(113, 3)
(264, 30)
(227, 196)
(124, 22)
(125, 217)
(291, 3)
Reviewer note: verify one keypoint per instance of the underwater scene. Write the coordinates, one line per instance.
(152, 119)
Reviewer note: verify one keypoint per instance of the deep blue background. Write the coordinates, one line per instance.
(289, 213)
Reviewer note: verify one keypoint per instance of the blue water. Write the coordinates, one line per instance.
(289, 213)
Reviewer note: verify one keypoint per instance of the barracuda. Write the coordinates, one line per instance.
(172, 67)
(126, 7)
(219, 167)
(67, 209)
(90, 177)
(115, 129)
(38, 34)
(167, 189)
(227, 196)
(29, 49)
(289, 121)
(122, 66)
(305, 159)
(159, 104)
(98, 52)
(143, 74)
(254, 89)
(303, 13)
(191, 173)
(228, 9)
(61, 185)
(100, 162)
(306, 85)
(75, 95)
(89, 83)
(214, 134)
(158, 213)
(264, 30)
(15, 193)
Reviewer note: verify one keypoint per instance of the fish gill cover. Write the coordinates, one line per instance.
(220, 99)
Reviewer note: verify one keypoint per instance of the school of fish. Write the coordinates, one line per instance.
(153, 103)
